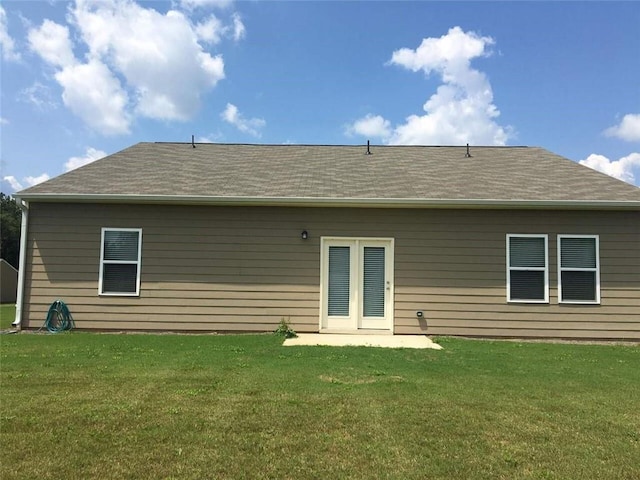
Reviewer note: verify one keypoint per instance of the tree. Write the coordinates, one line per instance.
(10, 224)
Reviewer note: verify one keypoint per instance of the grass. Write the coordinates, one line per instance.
(7, 315)
(168, 406)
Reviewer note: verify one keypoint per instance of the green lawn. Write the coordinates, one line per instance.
(177, 406)
(7, 315)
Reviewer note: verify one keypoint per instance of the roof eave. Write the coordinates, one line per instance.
(336, 202)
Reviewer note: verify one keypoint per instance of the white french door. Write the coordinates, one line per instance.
(357, 284)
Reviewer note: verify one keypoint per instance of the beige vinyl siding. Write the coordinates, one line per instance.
(203, 269)
(244, 268)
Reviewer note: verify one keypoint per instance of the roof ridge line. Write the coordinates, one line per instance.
(232, 144)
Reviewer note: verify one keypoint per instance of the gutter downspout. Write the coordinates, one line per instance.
(24, 206)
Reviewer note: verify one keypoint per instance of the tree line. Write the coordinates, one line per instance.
(10, 224)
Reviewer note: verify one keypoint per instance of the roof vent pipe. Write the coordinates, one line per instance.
(368, 148)
(468, 154)
(193, 141)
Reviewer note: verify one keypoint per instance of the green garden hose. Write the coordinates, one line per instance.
(58, 318)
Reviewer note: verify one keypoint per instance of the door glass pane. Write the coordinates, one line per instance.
(373, 282)
(339, 281)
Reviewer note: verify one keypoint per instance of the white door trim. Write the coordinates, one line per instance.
(354, 322)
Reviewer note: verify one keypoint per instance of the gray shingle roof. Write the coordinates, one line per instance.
(412, 173)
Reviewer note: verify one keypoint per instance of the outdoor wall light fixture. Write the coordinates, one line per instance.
(304, 235)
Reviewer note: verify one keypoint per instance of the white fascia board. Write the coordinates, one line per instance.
(337, 202)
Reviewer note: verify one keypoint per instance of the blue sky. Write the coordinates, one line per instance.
(84, 79)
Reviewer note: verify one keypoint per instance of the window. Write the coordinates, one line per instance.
(527, 268)
(578, 269)
(120, 261)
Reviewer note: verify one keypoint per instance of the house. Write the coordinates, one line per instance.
(480, 241)
(8, 282)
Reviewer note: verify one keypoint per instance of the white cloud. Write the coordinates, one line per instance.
(158, 55)
(211, 138)
(251, 126)
(190, 4)
(91, 155)
(51, 41)
(6, 42)
(211, 30)
(239, 31)
(90, 90)
(626, 169)
(449, 55)
(462, 110)
(139, 62)
(4, 121)
(13, 182)
(26, 181)
(39, 96)
(372, 126)
(628, 129)
(31, 181)
(93, 93)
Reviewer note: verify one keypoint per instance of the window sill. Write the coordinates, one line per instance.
(537, 302)
(118, 294)
(578, 302)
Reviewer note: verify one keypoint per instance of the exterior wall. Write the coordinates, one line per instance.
(245, 268)
(8, 282)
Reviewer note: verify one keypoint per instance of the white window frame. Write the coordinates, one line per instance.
(537, 269)
(590, 269)
(137, 262)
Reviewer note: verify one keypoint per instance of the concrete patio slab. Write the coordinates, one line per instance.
(387, 341)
